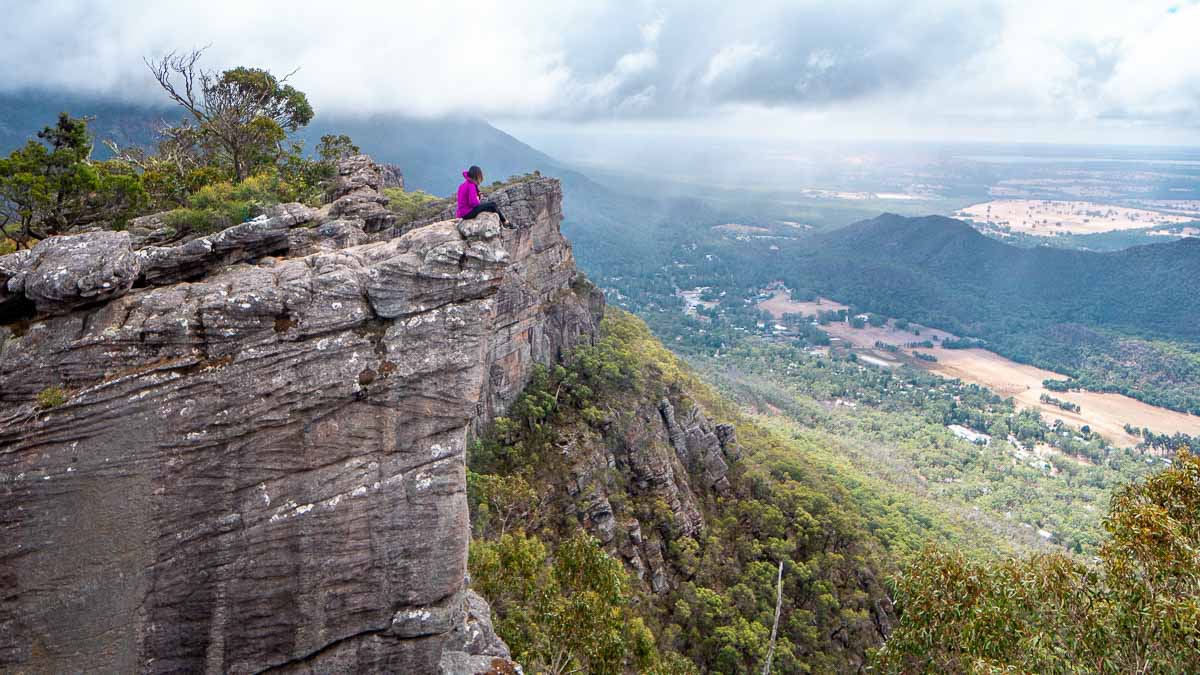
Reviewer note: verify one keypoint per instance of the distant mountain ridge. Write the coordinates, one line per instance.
(431, 151)
(1143, 290)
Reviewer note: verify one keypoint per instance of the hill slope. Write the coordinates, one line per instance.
(985, 283)
(1120, 321)
(700, 502)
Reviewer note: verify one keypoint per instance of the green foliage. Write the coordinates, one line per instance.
(220, 205)
(415, 205)
(239, 118)
(717, 615)
(52, 186)
(51, 397)
(566, 612)
(335, 147)
(892, 434)
(499, 502)
(1136, 610)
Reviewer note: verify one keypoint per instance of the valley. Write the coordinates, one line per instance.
(794, 338)
(1105, 413)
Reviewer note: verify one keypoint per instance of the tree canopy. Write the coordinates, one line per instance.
(52, 186)
(1136, 610)
(240, 116)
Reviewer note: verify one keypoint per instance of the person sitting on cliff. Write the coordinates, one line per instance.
(469, 204)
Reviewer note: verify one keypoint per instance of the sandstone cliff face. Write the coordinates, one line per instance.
(260, 461)
(649, 453)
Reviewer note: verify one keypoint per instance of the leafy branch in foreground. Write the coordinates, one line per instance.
(1137, 610)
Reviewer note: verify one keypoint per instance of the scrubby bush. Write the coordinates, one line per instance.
(415, 205)
(51, 397)
(563, 613)
(1135, 610)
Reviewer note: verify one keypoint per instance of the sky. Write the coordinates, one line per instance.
(1073, 71)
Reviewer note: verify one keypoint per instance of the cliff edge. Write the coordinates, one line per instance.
(245, 452)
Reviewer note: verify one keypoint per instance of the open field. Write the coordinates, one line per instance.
(1107, 414)
(741, 229)
(1048, 218)
(780, 303)
(867, 336)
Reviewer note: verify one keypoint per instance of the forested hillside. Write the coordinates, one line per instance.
(1116, 322)
(951, 274)
(627, 518)
(1102, 318)
(627, 449)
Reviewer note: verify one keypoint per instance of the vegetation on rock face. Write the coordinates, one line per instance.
(414, 205)
(1135, 610)
(716, 610)
(230, 160)
(801, 496)
(51, 397)
(564, 613)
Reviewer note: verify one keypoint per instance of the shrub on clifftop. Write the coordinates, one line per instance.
(53, 186)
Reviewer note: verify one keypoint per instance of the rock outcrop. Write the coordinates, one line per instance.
(259, 463)
(356, 193)
(660, 458)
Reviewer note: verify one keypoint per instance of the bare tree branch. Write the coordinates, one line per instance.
(775, 626)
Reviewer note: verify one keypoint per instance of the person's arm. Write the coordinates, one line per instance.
(473, 198)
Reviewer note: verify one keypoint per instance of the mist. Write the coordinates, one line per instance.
(1015, 71)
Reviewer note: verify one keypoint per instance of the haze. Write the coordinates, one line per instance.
(1076, 72)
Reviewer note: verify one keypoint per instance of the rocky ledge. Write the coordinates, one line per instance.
(246, 452)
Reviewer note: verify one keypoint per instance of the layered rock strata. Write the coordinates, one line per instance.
(246, 452)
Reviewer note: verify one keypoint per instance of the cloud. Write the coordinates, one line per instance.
(934, 62)
(730, 60)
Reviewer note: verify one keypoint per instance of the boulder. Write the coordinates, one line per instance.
(66, 272)
(356, 193)
(265, 235)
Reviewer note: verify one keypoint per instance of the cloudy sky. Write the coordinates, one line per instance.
(1019, 70)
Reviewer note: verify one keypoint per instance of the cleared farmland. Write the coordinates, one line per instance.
(1047, 218)
(1106, 414)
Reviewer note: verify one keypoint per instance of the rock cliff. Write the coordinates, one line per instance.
(245, 452)
(657, 456)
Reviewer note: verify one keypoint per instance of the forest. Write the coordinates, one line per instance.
(799, 495)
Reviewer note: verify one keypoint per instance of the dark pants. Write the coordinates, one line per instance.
(485, 207)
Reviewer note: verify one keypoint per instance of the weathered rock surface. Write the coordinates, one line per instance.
(678, 463)
(260, 462)
(62, 273)
(266, 235)
(701, 447)
(391, 176)
(355, 193)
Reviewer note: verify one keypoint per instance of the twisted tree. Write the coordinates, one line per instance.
(240, 116)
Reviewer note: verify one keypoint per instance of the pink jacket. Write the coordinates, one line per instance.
(468, 196)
